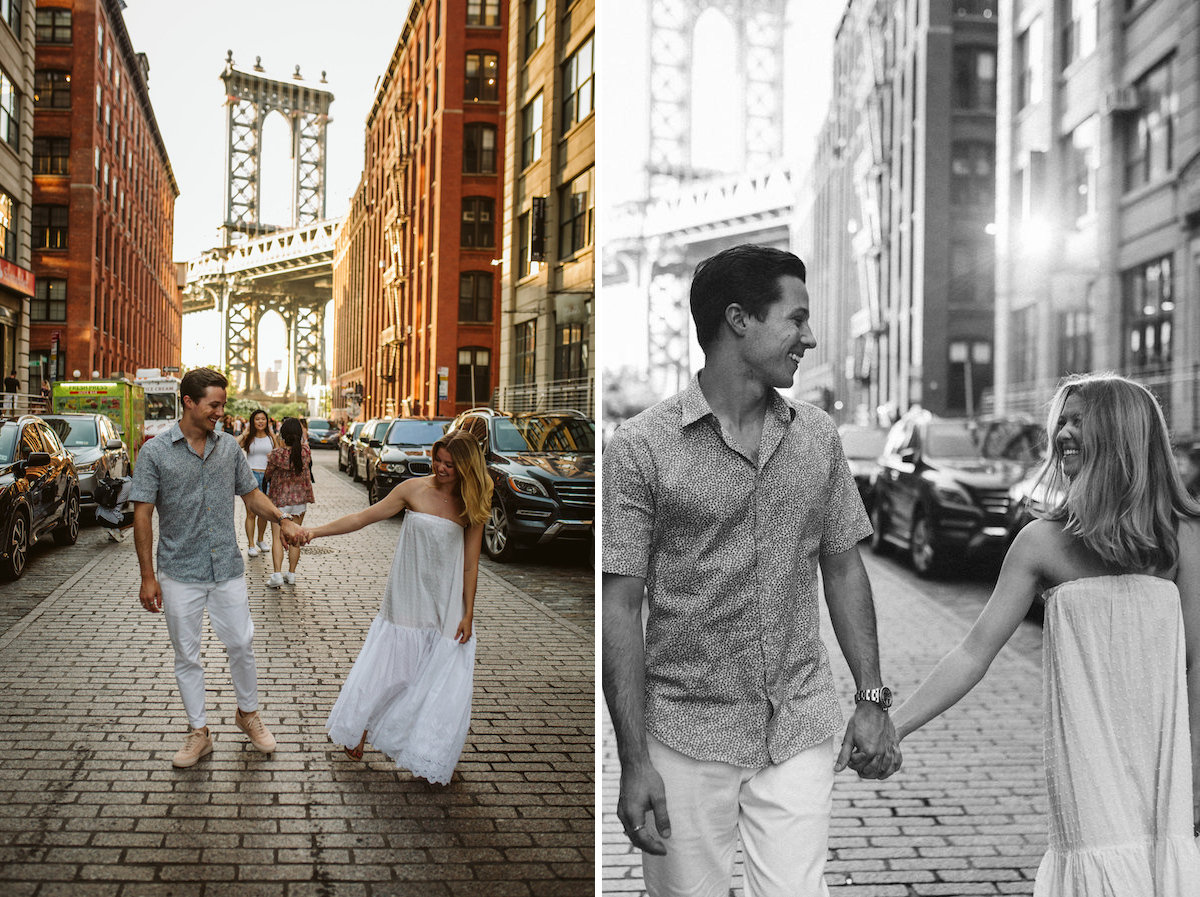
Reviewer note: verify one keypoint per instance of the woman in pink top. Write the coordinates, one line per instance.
(290, 487)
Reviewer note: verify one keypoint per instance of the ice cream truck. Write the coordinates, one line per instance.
(162, 400)
(121, 401)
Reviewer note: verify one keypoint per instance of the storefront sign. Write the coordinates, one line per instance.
(16, 278)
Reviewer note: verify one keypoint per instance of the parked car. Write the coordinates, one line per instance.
(1025, 497)
(95, 446)
(402, 455)
(543, 465)
(322, 433)
(375, 429)
(1017, 439)
(863, 446)
(39, 491)
(346, 445)
(936, 496)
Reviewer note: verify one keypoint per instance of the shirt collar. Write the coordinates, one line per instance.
(696, 407)
(175, 433)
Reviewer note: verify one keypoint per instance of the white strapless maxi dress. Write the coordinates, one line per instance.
(410, 687)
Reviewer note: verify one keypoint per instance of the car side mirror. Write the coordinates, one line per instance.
(36, 459)
(908, 455)
(114, 444)
(375, 443)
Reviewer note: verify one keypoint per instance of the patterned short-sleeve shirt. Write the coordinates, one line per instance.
(735, 667)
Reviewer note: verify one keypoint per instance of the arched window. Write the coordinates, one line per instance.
(479, 149)
(478, 222)
(481, 81)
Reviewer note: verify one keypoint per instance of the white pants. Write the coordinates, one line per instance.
(229, 613)
(781, 812)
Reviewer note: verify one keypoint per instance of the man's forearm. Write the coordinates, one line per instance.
(852, 614)
(623, 667)
(261, 506)
(143, 540)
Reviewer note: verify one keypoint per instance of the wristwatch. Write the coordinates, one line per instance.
(283, 517)
(881, 696)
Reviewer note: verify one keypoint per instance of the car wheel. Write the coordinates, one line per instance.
(373, 495)
(926, 558)
(17, 542)
(354, 472)
(67, 533)
(341, 464)
(879, 543)
(497, 534)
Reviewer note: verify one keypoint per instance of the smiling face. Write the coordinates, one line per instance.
(775, 345)
(444, 470)
(1069, 436)
(259, 423)
(205, 414)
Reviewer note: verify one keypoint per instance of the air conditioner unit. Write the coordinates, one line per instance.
(1120, 99)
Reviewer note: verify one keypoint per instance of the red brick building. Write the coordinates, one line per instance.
(103, 201)
(416, 278)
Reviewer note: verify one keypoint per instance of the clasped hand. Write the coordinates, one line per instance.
(870, 746)
(293, 535)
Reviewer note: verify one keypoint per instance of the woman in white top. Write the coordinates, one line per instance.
(257, 443)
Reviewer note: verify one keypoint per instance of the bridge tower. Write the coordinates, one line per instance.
(758, 29)
(298, 293)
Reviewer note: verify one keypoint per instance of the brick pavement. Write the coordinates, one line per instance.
(89, 803)
(965, 815)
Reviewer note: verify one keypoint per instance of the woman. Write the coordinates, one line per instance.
(409, 692)
(289, 486)
(257, 442)
(1119, 563)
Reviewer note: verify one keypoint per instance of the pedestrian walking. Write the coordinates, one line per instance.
(1117, 560)
(720, 504)
(45, 395)
(409, 691)
(257, 442)
(12, 386)
(289, 479)
(191, 474)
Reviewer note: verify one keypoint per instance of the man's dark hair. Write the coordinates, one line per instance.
(195, 383)
(746, 275)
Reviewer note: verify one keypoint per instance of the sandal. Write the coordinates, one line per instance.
(355, 753)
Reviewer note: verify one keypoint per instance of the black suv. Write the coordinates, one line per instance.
(322, 433)
(402, 455)
(543, 465)
(39, 491)
(936, 495)
(372, 430)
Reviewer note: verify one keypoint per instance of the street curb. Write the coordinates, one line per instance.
(52, 599)
(528, 599)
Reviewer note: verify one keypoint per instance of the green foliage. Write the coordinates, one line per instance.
(242, 407)
(291, 409)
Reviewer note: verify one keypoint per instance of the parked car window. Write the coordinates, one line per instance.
(31, 441)
(75, 433)
(415, 432)
(949, 441)
(318, 424)
(8, 442)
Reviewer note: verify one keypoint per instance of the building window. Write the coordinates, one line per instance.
(52, 89)
(1024, 344)
(524, 241)
(54, 26)
(475, 297)
(483, 12)
(10, 11)
(973, 174)
(479, 149)
(1149, 300)
(1082, 168)
(525, 352)
(49, 301)
(535, 25)
(1150, 134)
(579, 87)
(577, 211)
(1028, 64)
(10, 110)
(482, 82)
(1074, 342)
(570, 352)
(474, 376)
(1081, 27)
(52, 155)
(478, 222)
(8, 227)
(975, 79)
(49, 227)
(531, 132)
(972, 263)
(969, 374)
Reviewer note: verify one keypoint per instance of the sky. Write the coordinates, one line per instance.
(186, 45)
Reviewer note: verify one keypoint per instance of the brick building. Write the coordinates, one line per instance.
(547, 339)
(416, 277)
(103, 201)
(16, 155)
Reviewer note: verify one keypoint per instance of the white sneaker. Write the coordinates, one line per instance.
(252, 552)
(275, 581)
(262, 545)
(289, 578)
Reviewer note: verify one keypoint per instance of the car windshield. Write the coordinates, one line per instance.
(415, 432)
(949, 441)
(544, 433)
(863, 443)
(74, 433)
(316, 424)
(8, 442)
(1015, 441)
(161, 406)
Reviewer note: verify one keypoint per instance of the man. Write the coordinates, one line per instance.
(719, 504)
(12, 386)
(191, 474)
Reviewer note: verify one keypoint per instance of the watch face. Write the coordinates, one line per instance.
(885, 697)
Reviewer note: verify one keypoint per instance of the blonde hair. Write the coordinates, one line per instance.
(474, 485)
(1126, 500)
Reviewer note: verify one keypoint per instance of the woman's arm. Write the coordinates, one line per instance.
(474, 537)
(391, 505)
(1188, 580)
(961, 669)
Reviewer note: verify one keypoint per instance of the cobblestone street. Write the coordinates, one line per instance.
(89, 803)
